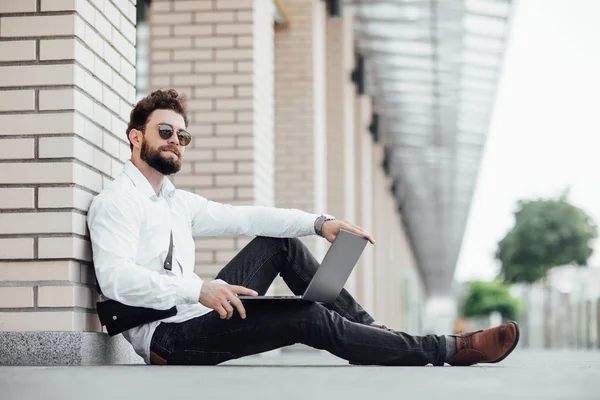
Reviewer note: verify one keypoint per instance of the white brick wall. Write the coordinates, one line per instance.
(67, 70)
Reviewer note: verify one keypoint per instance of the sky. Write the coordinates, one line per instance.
(544, 134)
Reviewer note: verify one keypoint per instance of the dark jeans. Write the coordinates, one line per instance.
(341, 328)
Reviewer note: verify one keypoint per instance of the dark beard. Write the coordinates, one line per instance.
(153, 158)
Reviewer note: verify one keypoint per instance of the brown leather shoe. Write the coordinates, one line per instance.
(487, 346)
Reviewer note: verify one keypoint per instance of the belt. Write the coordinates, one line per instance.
(155, 359)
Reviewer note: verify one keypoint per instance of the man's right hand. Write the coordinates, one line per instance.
(222, 298)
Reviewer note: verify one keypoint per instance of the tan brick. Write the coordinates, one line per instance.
(16, 148)
(243, 104)
(161, 81)
(34, 75)
(200, 105)
(195, 79)
(245, 193)
(217, 193)
(244, 91)
(224, 257)
(235, 129)
(205, 257)
(36, 124)
(16, 198)
(234, 154)
(245, 16)
(210, 117)
(172, 43)
(21, 50)
(172, 68)
(211, 167)
(42, 222)
(234, 54)
(244, 41)
(192, 5)
(64, 197)
(245, 66)
(41, 321)
(16, 248)
(237, 180)
(64, 247)
(192, 55)
(213, 92)
(39, 25)
(162, 55)
(17, 100)
(17, 6)
(214, 142)
(233, 79)
(58, 172)
(59, 5)
(246, 167)
(162, 6)
(157, 31)
(194, 180)
(40, 271)
(192, 30)
(173, 18)
(66, 99)
(234, 4)
(212, 66)
(213, 17)
(15, 297)
(204, 244)
(214, 42)
(243, 116)
(244, 142)
(198, 155)
(234, 29)
(65, 296)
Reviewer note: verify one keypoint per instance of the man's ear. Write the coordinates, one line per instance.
(135, 136)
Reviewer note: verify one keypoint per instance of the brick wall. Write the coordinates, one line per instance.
(300, 123)
(220, 54)
(340, 122)
(66, 88)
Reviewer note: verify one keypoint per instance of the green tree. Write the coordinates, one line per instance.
(484, 298)
(547, 233)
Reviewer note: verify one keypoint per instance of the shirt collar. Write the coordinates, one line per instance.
(167, 189)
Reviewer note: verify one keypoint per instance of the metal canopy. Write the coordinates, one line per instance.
(432, 67)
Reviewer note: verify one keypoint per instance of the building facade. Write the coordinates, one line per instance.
(276, 118)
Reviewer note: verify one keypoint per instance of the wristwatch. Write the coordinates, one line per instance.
(320, 221)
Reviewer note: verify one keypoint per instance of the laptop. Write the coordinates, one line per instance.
(332, 274)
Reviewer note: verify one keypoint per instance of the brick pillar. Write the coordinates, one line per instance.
(364, 196)
(300, 123)
(220, 54)
(67, 71)
(340, 122)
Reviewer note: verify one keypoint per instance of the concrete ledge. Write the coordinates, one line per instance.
(64, 348)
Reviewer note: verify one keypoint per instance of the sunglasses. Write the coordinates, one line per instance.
(166, 132)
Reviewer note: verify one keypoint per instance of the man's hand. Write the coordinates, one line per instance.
(331, 229)
(222, 298)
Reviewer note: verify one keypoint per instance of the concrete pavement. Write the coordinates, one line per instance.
(315, 375)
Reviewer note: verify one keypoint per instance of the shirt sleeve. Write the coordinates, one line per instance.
(210, 218)
(114, 226)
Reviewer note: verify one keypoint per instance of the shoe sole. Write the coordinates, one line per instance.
(513, 346)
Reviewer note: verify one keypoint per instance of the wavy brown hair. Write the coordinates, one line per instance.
(157, 100)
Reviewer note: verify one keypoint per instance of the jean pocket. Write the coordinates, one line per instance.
(195, 357)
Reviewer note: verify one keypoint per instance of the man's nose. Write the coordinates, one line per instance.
(174, 139)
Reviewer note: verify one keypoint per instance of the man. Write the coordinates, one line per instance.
(131, 223)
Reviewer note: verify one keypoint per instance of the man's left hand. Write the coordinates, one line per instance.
(331, 229)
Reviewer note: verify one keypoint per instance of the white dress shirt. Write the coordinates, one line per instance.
(130, 228)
